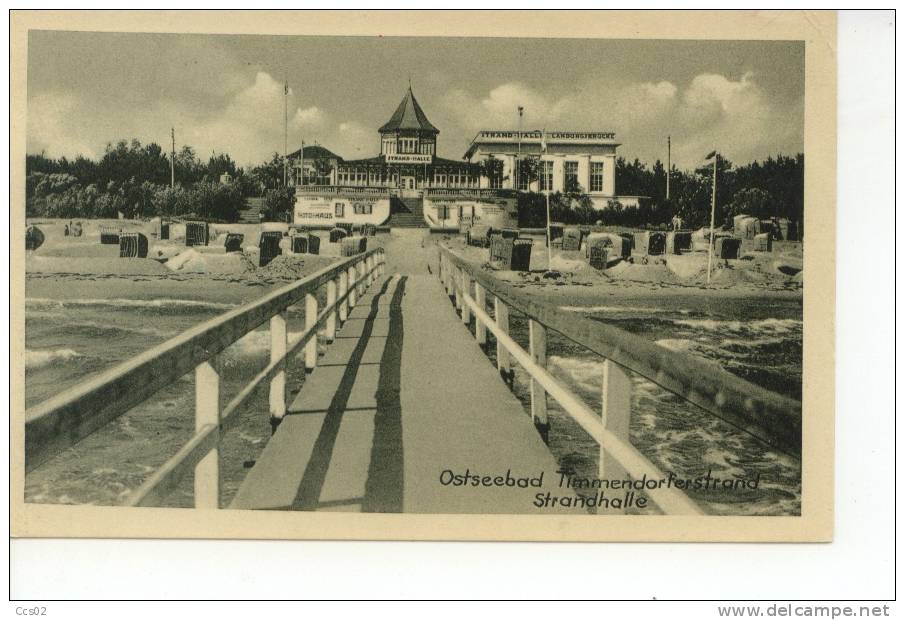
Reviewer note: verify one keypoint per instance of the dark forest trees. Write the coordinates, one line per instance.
(133, 179)
(779, 183)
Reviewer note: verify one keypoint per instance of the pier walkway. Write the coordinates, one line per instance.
(404, 397)
(402, 394)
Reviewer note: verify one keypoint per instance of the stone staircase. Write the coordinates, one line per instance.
(406, 213)
(252, 214)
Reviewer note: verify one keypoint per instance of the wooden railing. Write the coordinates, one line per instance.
(773, 419)
(62, 421)
(350, 190)
(468, 192)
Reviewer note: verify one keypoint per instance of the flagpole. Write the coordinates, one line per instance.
(285, 131)
(173, 158)
(544, 172)
(518, 157)
(668, 163)
(712, 214)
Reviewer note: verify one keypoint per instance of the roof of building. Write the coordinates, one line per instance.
(409, 115)
(315, 152)
(539, 136)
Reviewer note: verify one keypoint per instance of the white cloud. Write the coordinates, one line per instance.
(51, 128)
(309, 118)
(711, 111)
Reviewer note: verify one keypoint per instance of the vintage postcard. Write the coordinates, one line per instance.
(423, 275)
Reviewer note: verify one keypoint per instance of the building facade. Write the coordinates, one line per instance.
(582, 161)
(407, 183)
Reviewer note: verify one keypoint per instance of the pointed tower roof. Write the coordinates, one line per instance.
(409, 115)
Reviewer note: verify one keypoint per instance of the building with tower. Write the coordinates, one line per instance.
(408, 184)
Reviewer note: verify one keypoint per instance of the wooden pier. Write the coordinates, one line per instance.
(404, 398)
(403, 394)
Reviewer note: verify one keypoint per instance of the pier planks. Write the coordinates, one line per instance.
(403, 394)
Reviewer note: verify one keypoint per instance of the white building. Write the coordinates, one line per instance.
(408, 184)
(587, 157)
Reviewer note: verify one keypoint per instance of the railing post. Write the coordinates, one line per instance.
(343, 287)
(447, 277)
(310, 322)
(480, 330)
(617, 408)
(466, 289)
(278, 346)
(331, 318)
(207, 411)
(360, 270)
(457, 287)
(352, 288)
(501, 312)
(537, 340)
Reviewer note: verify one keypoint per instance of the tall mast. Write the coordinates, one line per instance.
(285, 132)
(518, 157)
(173, 158)
(668, 163)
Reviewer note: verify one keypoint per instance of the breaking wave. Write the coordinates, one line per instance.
(127, 303)
(44, 357)
(764, 326)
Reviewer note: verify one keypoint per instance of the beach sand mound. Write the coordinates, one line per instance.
(192, 261)
(87, 265)
(568, 264)
(293, 266)
(81, 249)
(655, 271)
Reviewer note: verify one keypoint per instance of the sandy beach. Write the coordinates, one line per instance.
(69, 268)
(664, 279)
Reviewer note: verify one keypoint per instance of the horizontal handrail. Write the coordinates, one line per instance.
(636, 464)
(468, 191)
(61, 421)
(203, 441)
(343, 189)
(772, 418)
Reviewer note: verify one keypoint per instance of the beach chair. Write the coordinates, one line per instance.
(197, 233)
(269, 246)
(133, 245)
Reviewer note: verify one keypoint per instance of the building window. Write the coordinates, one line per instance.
(340, 209)
(596, 176)
(522, 177)
(443, 213)
(363, 208)
(570, 174)
(545, 170)
(408, 145)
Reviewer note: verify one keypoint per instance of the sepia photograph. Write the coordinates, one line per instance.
(557, 280)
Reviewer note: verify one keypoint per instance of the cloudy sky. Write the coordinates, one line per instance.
(225, 93)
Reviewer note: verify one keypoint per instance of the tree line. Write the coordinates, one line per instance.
(764, 189)
(133, 179)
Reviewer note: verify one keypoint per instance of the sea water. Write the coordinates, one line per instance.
(67, 341)
(760, 342)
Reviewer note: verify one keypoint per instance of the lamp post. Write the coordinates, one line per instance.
(518, 157)
(715, 156)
